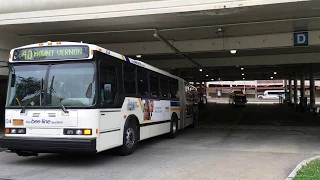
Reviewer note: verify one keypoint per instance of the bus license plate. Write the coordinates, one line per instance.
(18, 122)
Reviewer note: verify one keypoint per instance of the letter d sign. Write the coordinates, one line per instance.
(301, 39)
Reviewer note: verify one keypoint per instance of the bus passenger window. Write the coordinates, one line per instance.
(154, 86)
(108, 84)
(143, 87)
(173, 85)
(164, 86)
(129, 81)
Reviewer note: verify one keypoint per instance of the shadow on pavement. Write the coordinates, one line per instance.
(256, 114)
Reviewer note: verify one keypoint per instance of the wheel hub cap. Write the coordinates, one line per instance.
(130, 138)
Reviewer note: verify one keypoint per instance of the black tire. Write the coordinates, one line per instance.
(260, 98)
(130, 138)
(173, 127)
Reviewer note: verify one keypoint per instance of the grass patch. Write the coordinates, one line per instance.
(309, 172)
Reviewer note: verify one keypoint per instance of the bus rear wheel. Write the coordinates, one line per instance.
(130, 138)
(173, 127)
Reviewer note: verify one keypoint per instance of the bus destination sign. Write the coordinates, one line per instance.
(51, 53)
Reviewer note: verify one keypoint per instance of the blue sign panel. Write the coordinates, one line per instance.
(301, 39)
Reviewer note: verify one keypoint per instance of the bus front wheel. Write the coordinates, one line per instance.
(130, 138)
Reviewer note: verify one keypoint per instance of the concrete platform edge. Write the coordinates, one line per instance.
(299, 166)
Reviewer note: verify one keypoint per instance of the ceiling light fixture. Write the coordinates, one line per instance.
(138, 55)
(275, 73)
(242, 69)
(200, 70)
(233, 51)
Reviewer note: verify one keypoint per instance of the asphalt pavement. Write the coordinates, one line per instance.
(256, 142)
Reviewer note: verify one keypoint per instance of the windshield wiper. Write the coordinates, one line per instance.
(56, 94)
(23, 110)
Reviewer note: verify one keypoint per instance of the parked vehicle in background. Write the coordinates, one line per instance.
(237, 98)
(271, 94)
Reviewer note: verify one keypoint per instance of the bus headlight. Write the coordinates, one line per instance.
(21, 131)
(79, 132)
(15, 131)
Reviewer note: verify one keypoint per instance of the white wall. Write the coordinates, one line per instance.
(233, 83)
(254, 83)
(3, 57)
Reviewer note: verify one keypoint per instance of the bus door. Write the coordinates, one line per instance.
(190, 100)
(108, 98)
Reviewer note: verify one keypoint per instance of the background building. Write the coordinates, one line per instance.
(252, 88)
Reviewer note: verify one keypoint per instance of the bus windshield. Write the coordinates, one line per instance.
(69, 84)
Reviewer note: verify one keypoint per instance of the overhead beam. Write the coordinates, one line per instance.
(279, 40)
(100, 11)
(303, 58)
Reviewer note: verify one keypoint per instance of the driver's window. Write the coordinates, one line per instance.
(108, 84)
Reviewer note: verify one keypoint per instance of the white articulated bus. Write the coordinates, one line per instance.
(77, 97)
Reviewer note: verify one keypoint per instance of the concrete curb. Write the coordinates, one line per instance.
(299, 166)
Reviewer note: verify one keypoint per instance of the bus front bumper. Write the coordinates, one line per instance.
(48, 145)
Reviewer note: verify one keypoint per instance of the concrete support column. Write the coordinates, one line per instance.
(295, 91)
(312, 88)
(285, 86)
(201, 92)
(302, 91)
(256, 93)
(290, 91)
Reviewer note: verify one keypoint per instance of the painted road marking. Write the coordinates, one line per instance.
(237, 121)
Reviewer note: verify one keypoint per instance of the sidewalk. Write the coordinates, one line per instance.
(250, 100)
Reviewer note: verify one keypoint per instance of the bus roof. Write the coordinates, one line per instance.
(92, 47)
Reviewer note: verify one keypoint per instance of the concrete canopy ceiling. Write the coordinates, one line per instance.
(277, 18)
(195, 25)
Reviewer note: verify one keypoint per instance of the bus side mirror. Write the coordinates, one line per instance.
(13, 80)
(89, 91)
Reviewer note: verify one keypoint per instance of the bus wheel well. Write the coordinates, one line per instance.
(174, 115)
(135, 120)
